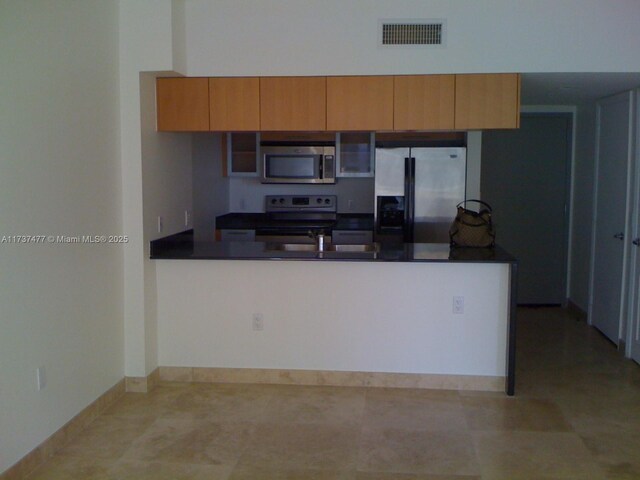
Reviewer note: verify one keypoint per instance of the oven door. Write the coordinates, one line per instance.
(290, 235)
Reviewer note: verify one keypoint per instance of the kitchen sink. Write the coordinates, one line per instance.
(309, 247)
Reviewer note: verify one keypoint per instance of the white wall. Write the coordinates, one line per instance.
(210, 188)
(61, 304)
(146, 44)
(179, 35)
(339, 37)
(166, 170)
(347, 316)
(166, 193)
(474, 167)
(582, 201)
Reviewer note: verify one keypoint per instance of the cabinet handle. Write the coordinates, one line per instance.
(636, 242)
(619, 236)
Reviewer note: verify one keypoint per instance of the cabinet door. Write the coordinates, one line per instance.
(423, 102)
(238, 235)
(234, 104)
(352, 237)
(293, 103)
(241, 150)
(355, 154)
(360, 103)
(182, 104)
(487, 101)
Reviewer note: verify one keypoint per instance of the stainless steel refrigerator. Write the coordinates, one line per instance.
(417, 190)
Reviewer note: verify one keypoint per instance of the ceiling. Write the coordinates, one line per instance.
(573, 88)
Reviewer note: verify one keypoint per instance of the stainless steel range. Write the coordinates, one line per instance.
(297, 218)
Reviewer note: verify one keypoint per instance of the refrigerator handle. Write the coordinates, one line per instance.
(409, 192)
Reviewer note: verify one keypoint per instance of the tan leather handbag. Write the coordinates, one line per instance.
(471, 228)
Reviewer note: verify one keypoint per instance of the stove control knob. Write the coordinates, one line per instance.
(319, 200)
(281, 201)
(327, 201)
(273, 201)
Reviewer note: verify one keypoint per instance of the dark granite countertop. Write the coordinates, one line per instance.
(252, 221)
(240, 221)
(182, 247)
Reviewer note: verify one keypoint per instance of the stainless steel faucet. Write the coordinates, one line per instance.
(319, 238)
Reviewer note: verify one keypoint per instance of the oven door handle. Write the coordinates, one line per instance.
(289, 238)
(292, 231)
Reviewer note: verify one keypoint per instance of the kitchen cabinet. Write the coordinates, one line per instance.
(360, 103)
(339, 104)
(352, 237)
(293, 103)
(242, 152)
(182, 104)
(423, 102)
(355, 153)
(234, 104)
(237, 235)
(487, 101)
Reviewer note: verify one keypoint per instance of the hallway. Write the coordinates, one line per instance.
(576, 415)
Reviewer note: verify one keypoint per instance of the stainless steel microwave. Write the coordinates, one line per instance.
(298, 164)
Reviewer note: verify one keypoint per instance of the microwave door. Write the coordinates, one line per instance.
(302, 166)
(298, 168)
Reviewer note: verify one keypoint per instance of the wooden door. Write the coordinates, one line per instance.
(182, 104)
(360, 103)
(293, 103)
(612, 217)
(485, 101)
(423, 102)
(234, 104)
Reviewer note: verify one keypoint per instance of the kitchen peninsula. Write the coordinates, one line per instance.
(394, 314)
(419, 315)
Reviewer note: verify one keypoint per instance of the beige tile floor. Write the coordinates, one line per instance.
(576, 415)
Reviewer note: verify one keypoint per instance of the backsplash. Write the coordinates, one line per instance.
(355, 195)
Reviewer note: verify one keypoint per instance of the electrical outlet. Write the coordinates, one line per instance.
(160, 226)
(41, 378)
(258, 322)
(458, 305)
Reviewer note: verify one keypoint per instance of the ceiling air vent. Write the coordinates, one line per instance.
(395, 33)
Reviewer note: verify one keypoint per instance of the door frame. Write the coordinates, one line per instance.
(569, 112)
(633, 303)
(624, 307)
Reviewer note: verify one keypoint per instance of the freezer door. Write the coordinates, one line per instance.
(440, 183)
(390, 171)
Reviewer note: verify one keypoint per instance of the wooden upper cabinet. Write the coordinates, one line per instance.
(424, 102)
(234, 104)
(487, 101)
(293, 103)
(182, 104)
(360, 103)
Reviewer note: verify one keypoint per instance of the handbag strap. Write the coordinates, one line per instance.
(485, 204)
